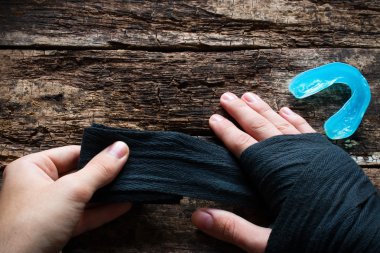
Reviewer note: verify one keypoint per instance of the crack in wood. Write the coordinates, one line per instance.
(162, 65)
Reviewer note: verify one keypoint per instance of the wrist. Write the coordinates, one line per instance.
(22, 240)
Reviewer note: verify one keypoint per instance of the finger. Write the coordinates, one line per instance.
(229, 227)
(296, 120)
(257, 104)
(235, 140)
(64, 158)
(96, 217)
(252, 122)
(50, 162)
(101, 170)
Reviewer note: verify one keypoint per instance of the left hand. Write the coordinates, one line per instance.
(40, 210)
(259, 122)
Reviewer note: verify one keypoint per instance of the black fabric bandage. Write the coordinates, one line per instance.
(164, 166)
(321, 199)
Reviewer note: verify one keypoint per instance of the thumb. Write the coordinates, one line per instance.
(229, 227)
(101, 170)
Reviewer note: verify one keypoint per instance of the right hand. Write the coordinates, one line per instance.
(259, 122)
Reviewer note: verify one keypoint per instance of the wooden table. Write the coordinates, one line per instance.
(162, 65)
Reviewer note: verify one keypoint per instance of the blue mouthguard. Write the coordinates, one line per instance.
(345, 122)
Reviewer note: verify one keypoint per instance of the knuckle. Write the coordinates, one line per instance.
(228, 230)
(242, 140)
(239, 103)
(229, 131)
(283, 126)
(229, 128)
(263, 108)
(299, 121)
(80, 192)
(104, 171)
(258, 125)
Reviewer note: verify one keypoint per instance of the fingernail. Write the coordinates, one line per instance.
(228, 96)
(287, 111)
(119, 149)
(204, 220)
(250, 97)
(216, 117)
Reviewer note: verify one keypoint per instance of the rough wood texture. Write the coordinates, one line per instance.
(157, 228)
(49, 96)
(64, 65)
(191, 24)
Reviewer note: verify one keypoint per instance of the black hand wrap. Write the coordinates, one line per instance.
(321, 200)
(164, 166)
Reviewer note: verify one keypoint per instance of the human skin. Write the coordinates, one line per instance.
(43, 202)
(259, 122)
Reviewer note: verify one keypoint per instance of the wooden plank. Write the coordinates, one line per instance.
(374, 175)
(157, 228)
(48, 96)
(196, 25)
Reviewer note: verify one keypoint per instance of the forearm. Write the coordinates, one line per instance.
(322, 201)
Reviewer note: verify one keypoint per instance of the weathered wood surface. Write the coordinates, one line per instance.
(157, 228)
(64, 65)
(50, 96)
(191, 24)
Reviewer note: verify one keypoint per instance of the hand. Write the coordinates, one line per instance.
(40, 209)
(259, 122)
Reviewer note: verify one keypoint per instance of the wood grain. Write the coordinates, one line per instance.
(162, 65)
(157, 228)
(50, 96)
(195, 25)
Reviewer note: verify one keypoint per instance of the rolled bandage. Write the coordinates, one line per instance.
(320, 198)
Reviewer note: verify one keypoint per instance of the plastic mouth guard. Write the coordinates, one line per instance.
(345, 122)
